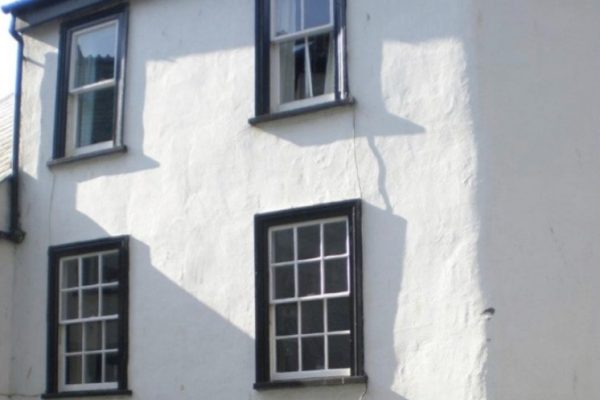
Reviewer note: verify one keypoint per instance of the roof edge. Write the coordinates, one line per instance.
(22, 5)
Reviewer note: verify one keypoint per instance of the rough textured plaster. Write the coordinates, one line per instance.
(196, 173)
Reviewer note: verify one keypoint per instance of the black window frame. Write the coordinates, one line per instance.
(350, 209)
(55, 254)
(67, 28)
(263, 104)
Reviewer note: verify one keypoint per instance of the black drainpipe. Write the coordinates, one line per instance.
(15, 234)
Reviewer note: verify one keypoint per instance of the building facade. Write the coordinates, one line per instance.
(310, 199)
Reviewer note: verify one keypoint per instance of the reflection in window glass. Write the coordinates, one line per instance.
(287, 355)
(287, 16)
(313, 353)
(316, 13)
(95, 55)
(306, 59)
(95, 117)
(89, 324)
(310, 295)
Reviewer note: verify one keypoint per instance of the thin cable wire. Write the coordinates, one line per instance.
(362, 396)
(50, 207)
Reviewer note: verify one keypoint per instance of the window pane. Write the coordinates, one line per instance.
(312, 316)
(338, 314)
(339, 351)
(321, 64)
(309, 278)
(93, 368)
(70, 273)
(112, 334)
(286, 319)
(73, 337)
(95, 116)
(70, 305)
(336, 279)
(73, 370)
(111, 367)
(283, 245)
(309, 241)
(89, 270)
(89, 303)
(95, 55)
(316, 13)
(292, 60)
(287, 16)
(335, 238)
(110, 267)
(313, 353)
(110, 300)
(93, 336)
(284, 282)
(287, 355)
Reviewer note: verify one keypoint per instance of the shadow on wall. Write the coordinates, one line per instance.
(182, 348)
(384, 239)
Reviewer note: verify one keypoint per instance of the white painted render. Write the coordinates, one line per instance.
(539, 152)
(474, 196)
(6, 292)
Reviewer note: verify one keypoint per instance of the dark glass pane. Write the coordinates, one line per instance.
(70, 305)
(112, 334)
(95, 55)
(336, 277)
(73, 337)
(313, 355)
(287, 355)
(89, 303)
(95, 119)
(338, 314)
(339, 351)
(73, 370)
(309, 242)
(110, 300)
(292, 60)
(110, 267)
(287, 16)
(335, 238)
(286, 319)
(309, 278)
(320, 57)
(89, 270)
(70, 273)
(284, 282)
(111, 367)
(312, 316)
(283, 245)
(93, 335)
(316, 13)
(93, 368)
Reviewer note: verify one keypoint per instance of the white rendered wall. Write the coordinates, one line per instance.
(539, 64)
(196, 173)
(6, 284)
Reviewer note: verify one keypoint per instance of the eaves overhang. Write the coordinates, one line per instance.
(30, 13)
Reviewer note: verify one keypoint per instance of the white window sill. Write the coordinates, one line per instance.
(85, 156)
(300, 111)
(328, 381)
(87, 393)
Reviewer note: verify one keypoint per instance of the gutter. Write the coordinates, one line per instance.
(15, 234)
